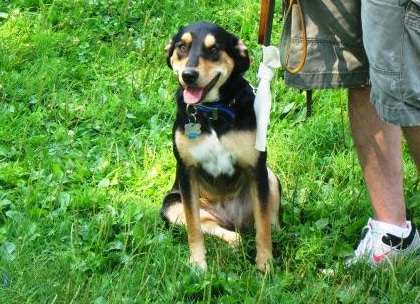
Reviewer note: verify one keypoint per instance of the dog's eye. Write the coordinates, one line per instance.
(182, 48)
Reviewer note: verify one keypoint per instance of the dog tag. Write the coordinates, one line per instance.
(192, 130)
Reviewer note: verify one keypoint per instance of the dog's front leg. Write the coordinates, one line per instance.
(261, 210)
(263, 235)
(191, 202)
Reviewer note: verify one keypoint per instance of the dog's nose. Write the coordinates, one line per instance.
(190, 76)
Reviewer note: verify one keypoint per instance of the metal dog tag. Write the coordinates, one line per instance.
(192, 130)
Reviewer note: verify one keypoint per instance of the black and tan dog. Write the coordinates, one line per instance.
(222, 184)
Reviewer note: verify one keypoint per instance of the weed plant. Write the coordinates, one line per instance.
(86, 111)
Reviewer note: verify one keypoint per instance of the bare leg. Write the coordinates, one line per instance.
(378, 146)
(412, 135)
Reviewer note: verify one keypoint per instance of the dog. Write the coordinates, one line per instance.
(223, 185)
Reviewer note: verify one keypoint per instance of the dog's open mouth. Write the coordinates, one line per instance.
(193, 95)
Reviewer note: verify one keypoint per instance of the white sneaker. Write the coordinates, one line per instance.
(383, 241)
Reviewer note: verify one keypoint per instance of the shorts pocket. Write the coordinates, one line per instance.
(411, 56)
(386, 86)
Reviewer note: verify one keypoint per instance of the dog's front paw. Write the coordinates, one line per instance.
(199, 264)
(264, 263)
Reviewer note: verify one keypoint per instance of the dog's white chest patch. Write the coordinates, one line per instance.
(213, 157)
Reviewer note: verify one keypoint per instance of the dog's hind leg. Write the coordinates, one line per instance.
(211, 226)
(173, 213)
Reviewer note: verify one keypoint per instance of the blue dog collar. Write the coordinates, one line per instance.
(212, 109)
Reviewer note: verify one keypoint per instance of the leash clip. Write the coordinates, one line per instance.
(191, 113)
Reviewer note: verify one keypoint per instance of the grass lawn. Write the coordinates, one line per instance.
(86, 111)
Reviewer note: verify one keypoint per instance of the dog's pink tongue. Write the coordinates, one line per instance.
(192, 95)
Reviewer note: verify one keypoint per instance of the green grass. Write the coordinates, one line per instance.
(86, 110)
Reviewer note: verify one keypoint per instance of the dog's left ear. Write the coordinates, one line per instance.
(241, 56)
(169, 50)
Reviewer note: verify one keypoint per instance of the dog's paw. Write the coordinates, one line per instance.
(198, 264)
(265, 264)
(232, 238)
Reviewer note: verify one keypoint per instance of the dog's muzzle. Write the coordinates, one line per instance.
(194, 94)
(190, 76)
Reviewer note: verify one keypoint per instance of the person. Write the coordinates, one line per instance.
(383, 81)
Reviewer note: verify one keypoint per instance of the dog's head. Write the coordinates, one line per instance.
(204, 56)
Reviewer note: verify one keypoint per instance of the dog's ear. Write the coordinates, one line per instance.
(169, 50)
(241, 56)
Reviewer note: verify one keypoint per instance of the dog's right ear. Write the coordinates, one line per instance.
(169, 50)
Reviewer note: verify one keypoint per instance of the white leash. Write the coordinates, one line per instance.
(262, 103)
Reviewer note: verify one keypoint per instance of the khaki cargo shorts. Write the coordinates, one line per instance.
(391, 32)
(335, 53)
(336, 56)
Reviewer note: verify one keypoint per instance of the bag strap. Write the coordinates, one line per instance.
(286, 36)
(285, 45)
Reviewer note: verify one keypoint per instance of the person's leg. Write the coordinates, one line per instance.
(412, 135)
(389, 235)
(378, 146)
